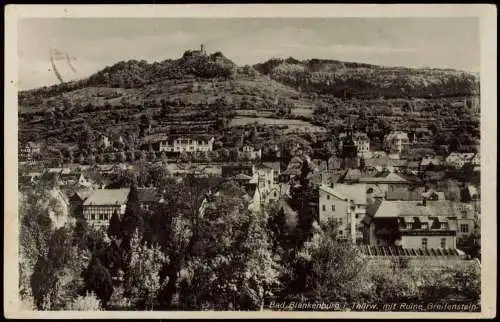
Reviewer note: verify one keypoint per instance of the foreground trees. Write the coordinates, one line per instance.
(202, 248)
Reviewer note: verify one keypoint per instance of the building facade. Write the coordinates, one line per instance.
(346, 205)
(248, 152)
(362, 142)
(186, 144)
(415, 224)
(102, 203)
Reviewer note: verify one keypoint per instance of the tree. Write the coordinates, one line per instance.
(98, 280)
(143, 274)
(114, 228)
(324, 269)
(43, 282)
(89, 302)
(132, 219)
(232, 266)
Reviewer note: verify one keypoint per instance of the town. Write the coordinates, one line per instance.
(156, 214)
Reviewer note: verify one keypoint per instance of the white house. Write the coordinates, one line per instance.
(362, 142)
(345, 204)
(186, 144)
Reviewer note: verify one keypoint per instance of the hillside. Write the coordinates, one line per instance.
(207, 94)
(192, 94)
(358, 80)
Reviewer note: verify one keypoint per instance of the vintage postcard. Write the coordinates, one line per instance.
(320, 161)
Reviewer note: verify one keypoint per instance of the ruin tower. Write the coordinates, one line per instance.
(202, 49)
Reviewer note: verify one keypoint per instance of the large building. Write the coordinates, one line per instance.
(186, 144)
(102, 203)
(414, 224)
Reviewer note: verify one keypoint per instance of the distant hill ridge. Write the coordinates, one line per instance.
(321, 76)
(338, 78)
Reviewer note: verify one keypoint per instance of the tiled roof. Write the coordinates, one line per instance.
(348, 192)
(397, 208)
(108, 197)
(390, 178)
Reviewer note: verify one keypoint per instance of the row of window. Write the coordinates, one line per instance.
(100, 216)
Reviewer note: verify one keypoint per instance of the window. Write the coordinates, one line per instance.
(443, 242)
(424, 243)
(324, 208)
(341, 221)
(464, 228)
(341, 232)
(328, 197)
(275, 194)
(333, 207)
(357, 215)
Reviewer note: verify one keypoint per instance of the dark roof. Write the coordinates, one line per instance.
(147, 194)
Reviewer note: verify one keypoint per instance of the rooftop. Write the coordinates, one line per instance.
(390, 178)
(400, 208)
(108, 197)
(348, 192)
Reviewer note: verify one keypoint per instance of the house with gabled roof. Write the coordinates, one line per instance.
(346, 205)
(415, 224)
(102, 203)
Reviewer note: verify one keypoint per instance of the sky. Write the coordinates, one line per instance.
(95, 43)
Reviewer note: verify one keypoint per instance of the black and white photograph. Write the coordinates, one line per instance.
(263, 164)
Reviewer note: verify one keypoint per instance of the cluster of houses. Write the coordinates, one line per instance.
(396, 211)
(377, 198)
(97, 205)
